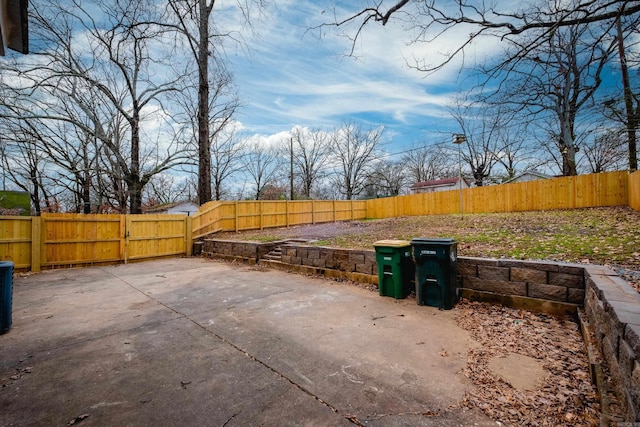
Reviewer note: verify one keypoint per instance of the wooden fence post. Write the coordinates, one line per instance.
(123, 236)
(127, 234)
(286, 209)
(261, 214)
(235, 205)
(188, 236)
(36, 244)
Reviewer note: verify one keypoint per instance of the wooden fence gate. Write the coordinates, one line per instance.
(68, 240)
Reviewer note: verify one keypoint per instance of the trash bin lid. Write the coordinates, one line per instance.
(392, 243)
(428, 241)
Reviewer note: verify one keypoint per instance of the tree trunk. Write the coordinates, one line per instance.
(133, 178)
(569, 160)
(135, 196)
(204, 152)
(567, 147)
(632, 119)
(35, 199)
(218, 190)
(86, 193)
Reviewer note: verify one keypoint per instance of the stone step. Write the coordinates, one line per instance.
(276, 253)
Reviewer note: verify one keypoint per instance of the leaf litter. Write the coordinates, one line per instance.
(566, 396)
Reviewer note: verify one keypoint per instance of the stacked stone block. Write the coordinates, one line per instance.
(613, 309)
(230, 249)
(563, 283)
(351, 261)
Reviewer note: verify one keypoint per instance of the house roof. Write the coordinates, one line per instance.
(527, 172)
(436, 183)
(166, 206)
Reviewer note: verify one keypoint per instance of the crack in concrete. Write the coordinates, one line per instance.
(351, 418)
(229, 419)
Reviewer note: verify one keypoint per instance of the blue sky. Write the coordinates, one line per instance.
(288, 77)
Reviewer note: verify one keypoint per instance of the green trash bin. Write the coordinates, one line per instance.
(6, 295)
(436, 269)
(395, 268)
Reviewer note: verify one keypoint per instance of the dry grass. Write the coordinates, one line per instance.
(598, 235)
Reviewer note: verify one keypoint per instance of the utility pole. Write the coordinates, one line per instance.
(458, 139)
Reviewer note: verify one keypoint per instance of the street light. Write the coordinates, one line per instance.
(458, 139)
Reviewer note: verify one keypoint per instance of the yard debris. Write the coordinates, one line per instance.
(77, 419)
(566, 396)
(20, 372)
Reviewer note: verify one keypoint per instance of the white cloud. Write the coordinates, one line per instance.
(293, 78)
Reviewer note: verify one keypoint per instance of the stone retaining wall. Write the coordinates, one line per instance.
(560, 283)
(249, 252)
(352, 261)
(612, 306)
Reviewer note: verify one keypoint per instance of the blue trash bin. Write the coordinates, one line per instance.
(6, 295)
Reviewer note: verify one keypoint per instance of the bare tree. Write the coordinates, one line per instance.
(203, 39)
(223, 153)
(167, 188)
(433, 20)
(516, 150)
(26, 167)
(262, 164)
(227, 152)
(118, 68)
(627, 110)
(481, 128)
(559, 79)
(425, 163)
(354, 150)
(311, 151)
(605, 151)
(387, 179)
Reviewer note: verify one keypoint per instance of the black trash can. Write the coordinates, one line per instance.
(436, 269)
(6, 295)
(395, 268)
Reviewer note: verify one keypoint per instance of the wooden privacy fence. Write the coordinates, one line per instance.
(602, 189)
(251, 215)
(634, 190)
(63, 240)
(67, 240)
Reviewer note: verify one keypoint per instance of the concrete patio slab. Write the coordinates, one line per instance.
(188, 341)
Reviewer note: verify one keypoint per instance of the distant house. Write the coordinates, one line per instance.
(186, 208)
(527, 176)
(439, 185)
